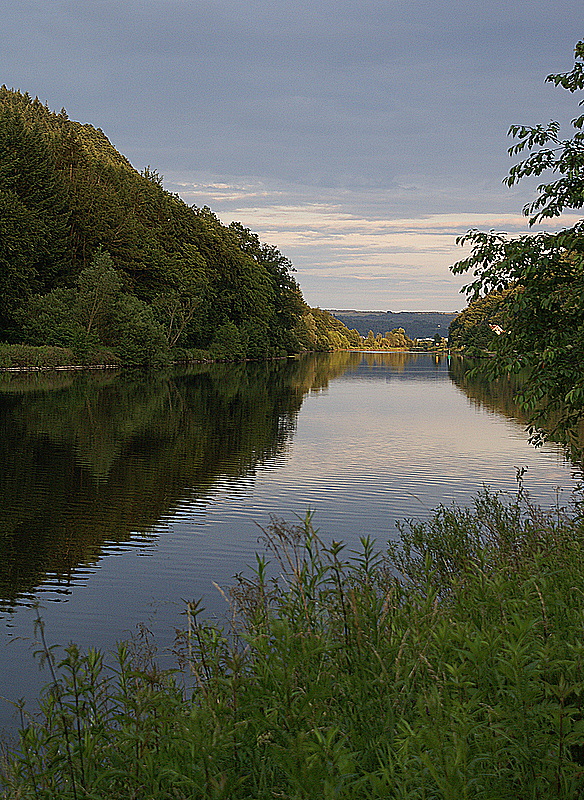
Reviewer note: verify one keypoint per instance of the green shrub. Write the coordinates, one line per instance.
(22, 355)
(229, 343)
(451, 666)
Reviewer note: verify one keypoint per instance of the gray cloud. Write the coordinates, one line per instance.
(385, 109)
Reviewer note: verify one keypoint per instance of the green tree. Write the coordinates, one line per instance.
(77, 317)
(33, 216)
(369, 341)
(229, 343)
(544, 339)
(187, 286)
(98, 286)
(353, 338)
(471, 330)
(285, 298)
(96, 314)
(134, 333)
(53, 319)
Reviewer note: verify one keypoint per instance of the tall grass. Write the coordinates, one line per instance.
(449, 666)
(26, 356)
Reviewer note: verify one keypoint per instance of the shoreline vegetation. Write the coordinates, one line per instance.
(449, 665)
(23, 358)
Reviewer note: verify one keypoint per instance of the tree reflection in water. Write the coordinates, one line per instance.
(90, 461)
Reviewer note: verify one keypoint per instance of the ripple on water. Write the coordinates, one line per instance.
(376, 447)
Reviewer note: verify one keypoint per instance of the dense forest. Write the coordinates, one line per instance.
(101, 260)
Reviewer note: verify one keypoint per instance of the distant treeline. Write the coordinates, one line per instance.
(416, 324)
(101, 260)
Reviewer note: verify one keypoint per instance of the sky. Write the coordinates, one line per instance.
(358, 138)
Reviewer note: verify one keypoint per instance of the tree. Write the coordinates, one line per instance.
(178, 302)
(544, 339)
(94, 315)
(33, 217)
(476, 328)
(286, 297)
(98, 286)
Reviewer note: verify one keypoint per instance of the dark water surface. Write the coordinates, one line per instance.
(122, 496)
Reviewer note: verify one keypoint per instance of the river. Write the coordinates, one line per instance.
(125, 495)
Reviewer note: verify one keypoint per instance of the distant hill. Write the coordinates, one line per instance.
(416, 324)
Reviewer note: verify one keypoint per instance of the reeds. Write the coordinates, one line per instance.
(448, 666)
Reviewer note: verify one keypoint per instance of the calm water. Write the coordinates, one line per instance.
(122, 496)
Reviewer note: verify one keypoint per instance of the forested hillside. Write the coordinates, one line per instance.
(416, 324)
(99, 258)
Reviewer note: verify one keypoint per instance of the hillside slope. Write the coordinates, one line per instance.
(95, 254)
(416, 324)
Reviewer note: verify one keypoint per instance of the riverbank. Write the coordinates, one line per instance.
(29, 358)
(450, 666)
(23, 357)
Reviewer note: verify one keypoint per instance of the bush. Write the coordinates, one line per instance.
(229, 343)
(191, 354)
(135, 335)
(22, 355)
(451, 667)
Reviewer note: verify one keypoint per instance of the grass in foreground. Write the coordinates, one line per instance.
(450, 666)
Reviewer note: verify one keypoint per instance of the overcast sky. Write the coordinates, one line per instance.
(360, 138)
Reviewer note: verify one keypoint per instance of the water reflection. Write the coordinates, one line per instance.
(90, 461)
(383, 365)
(498, 396)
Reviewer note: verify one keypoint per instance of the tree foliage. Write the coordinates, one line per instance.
(68, 197)
(477, 327)
(544, 337)
(96, 315)
(33, 215)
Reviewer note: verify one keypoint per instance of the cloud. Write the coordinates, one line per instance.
(374, 133)
(336, 249)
